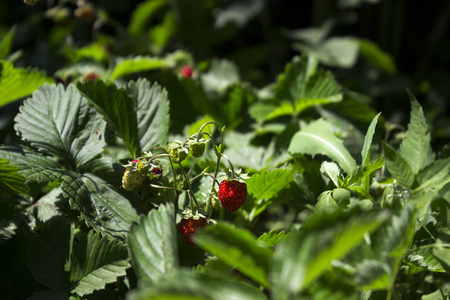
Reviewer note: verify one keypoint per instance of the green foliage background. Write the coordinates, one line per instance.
(338, 110)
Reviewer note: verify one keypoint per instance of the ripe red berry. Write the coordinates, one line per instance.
(186, 71)
(232, 194)
(187, 228)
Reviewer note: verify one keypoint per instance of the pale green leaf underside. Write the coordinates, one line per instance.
(18, 83)
(317, 138)
(152, 244)
(96, 261)
(331, 169)
(60, 122)
(424, 258)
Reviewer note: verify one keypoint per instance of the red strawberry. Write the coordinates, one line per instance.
(186, 71)
(232, 194)
(187, 227)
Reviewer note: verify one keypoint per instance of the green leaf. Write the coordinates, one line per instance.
(101, 206)
(268, 184)
(239, 13)
(398, 167)
(443, 254)
(188, 285)
(423, 258)
(304, 256)
(365, 152)
(273, 237)
(434, 176)
(127, 66)
(326, 203)
(48, 255)
(236, 247)
(61, 123)
(32, 165)
(10, 180)
(376, 56)
(372, 275)
(18, 83)
(152, 244)
(416, 146)
(331, 169)
(142, 15)
(152, 113)
(96, 261)
(342, 197)
(51, 204)
(303, 87)
(361, 172)
(317, 138)
(117, 108)
(6, 43)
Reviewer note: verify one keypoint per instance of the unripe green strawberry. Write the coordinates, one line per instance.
(131, 179)
(232, 194)
(197, 149)
(216, 203)
(178, 154)
(187, 228)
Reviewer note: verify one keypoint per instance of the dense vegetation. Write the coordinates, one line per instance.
(197, 149)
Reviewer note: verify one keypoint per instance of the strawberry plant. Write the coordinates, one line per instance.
(141, 163)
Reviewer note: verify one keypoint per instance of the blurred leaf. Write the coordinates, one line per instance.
(398, 167)
(349, 4)
(273, 238)
(95, 51)
(18, 83)
(7, 229)
(376, 56)
(339, 52)
(443, 254)
(317, 138)
(61, 123)
(117, 108)
(127, 66)
(96, 261)
(6, 43)
(143, 14)
(372, 275)
(11, 181)
(304, 256)
(239, 12)
(236, 247)
(188, 285)
(416, 146)
(161, 34)
(152, 244)
(221, 75)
